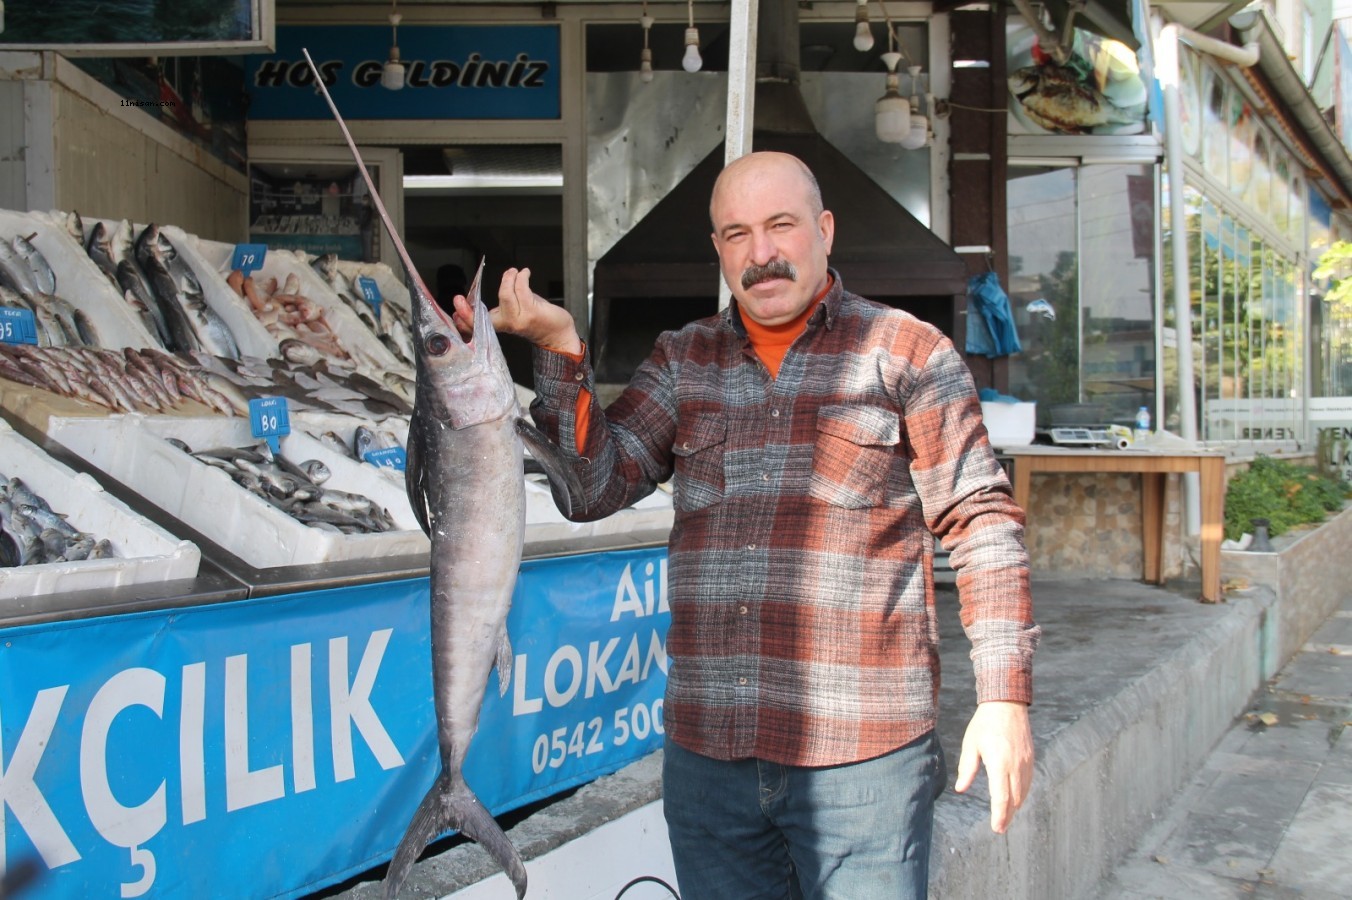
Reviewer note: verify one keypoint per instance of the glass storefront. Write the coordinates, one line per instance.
(1246, 216)
(1082, 262)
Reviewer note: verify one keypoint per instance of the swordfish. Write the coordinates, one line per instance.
(465, 480)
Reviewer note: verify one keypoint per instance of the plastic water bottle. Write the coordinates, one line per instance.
(1142, 423)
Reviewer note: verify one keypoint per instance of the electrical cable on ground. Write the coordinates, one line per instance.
(642, 878)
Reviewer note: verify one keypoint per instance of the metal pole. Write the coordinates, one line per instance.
(1167, 73)
(741, 113)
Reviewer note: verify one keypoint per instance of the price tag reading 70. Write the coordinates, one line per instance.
(248, 257)
(270, 420)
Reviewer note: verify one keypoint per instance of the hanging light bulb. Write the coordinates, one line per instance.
(892, 112)
(392, 73)
(645, 66)
(863, 32)
(691, 62)
(918, 136)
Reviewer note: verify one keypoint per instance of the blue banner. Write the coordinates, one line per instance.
(281, 744)
(451, 72)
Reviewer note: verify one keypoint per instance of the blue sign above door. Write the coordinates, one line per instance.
(451, 72)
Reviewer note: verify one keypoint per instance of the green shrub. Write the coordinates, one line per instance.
(1284, 493)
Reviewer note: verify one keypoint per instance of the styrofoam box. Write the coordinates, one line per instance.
(250, 334)
(134, 450)
(365, 348)
(1009, 424)
(543, 520)
(78, 279)
(146, 553)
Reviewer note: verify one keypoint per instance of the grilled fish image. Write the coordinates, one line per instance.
(465, 481)
(1055, 98)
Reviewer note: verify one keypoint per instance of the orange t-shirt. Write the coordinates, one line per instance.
(770, 343)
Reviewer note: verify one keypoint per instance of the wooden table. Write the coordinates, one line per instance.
(1152, 466)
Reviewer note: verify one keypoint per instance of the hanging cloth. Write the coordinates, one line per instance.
(990, 323)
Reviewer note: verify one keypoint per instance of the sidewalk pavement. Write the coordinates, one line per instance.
(1269, 814)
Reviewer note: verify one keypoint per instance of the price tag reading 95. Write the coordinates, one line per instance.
(18, 326)
(269, 419)
(248, 257)
(370, 292)
(388, 458)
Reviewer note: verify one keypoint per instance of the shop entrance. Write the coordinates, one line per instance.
(499, 202)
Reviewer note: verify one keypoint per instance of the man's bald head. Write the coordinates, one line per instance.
(761, 162)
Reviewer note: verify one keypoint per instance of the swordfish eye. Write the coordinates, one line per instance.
(437, 344)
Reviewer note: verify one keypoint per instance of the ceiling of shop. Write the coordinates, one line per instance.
(1192, 13)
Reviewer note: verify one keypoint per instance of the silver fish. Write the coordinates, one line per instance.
(142, 301)
(37, 264)
(75, 227)
(174, 283)
(15, 274)
(316, 471)
(333, 441)
(99, 246)
(464, 480)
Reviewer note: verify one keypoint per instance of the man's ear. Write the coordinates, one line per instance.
(826, 224)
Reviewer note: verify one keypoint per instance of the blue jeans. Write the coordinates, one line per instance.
(753, 830)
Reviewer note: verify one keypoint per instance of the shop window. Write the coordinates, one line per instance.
(1082, 260)
(1247, 325)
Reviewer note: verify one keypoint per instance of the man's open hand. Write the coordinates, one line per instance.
(522, 312)
(999, 737)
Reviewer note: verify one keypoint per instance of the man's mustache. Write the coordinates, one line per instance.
(776, 268)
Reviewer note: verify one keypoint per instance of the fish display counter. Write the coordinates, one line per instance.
(60, 532)
(73, 304)
(256, 658)
(167, 738)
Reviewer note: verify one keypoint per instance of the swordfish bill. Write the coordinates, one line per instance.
(465, 481)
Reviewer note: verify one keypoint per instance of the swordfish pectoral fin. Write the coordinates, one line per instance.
(561, 475)
(414, 475)
(504, 663)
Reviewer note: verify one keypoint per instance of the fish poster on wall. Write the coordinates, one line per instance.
(324, 210)
(1100, 89)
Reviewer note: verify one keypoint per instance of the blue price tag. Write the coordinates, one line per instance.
(370, 292)
(269, 419)
(389, 458)
(18, 326)
(248, 257)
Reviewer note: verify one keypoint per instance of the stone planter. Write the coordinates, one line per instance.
(1309, 571)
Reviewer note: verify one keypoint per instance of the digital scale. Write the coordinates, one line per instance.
(1080, 436)
(1105, 437)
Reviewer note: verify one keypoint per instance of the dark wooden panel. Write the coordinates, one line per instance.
(971, 35)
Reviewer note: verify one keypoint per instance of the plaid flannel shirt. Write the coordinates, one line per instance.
(802, 598)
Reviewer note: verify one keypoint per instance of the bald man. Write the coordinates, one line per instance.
(817, 443)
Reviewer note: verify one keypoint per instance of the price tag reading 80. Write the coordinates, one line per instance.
(270, 420)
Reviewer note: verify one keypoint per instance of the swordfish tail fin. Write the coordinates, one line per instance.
(451, 804)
